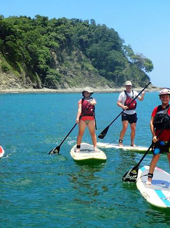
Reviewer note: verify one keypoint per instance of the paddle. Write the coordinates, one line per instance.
(56, 150)
(104, 132)
(131, 175)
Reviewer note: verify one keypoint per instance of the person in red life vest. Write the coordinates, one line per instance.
(160, 118)
(129, 114)
(86, 117)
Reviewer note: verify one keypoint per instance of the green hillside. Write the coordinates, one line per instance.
(64, 53)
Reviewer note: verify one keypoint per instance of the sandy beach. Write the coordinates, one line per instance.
(75, 90)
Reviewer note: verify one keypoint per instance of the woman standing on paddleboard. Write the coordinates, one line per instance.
(159, 119)
(129, 114)
(86, 117)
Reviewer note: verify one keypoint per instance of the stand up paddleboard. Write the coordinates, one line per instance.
(158, 193)
(116, 146)
(2, 152)
(87, 153)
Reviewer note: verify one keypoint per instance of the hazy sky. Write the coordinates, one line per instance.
(143, 24)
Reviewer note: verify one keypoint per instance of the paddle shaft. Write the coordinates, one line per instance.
(131, 175)
(68, 134)
(74, 126)
(58, 147)
(131, 102)
(159, 134)
(104, 132)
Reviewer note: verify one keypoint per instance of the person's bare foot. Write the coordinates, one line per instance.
(133, 144)
(78, 150)
(120, 142)
(148, 182)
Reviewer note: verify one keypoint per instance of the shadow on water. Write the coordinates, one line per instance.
(129, 186)
(161, 215)
(86, 182)
(87, 171)
(90, 162)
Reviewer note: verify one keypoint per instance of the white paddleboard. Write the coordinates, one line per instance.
(87, 153)
(158, 193)
(116, 146)
(2, 152)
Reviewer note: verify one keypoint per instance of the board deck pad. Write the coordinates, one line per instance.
(87, 153)
(158, 193)
(116, 146)
(1, 152)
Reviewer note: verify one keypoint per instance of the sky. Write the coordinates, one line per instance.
(142, 24)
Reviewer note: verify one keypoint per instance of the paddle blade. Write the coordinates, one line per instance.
(103, 133)
(55, 150)
(131, 175)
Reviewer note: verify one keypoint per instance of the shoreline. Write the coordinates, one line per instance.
(75, 90)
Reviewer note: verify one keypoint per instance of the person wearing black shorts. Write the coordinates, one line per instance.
(129, 115)
(160, 129)
(130, 118)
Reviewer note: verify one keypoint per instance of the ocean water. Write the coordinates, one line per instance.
(42, 190)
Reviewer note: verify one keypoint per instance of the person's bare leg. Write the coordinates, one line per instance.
(132, 135)
(91, 127)
(123, 131)
(153, 163)
(82, 127)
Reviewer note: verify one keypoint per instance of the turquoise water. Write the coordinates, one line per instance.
(42, 190)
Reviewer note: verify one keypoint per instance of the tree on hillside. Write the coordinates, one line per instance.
(63, 51)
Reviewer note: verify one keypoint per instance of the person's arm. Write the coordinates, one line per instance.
(120, 102)
(154, 137)
(141, 97)
(79, 112)
(121, 105)
(93, 102)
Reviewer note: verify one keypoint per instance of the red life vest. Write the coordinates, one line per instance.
(87, 108)
(128, 102)
(161, 118)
